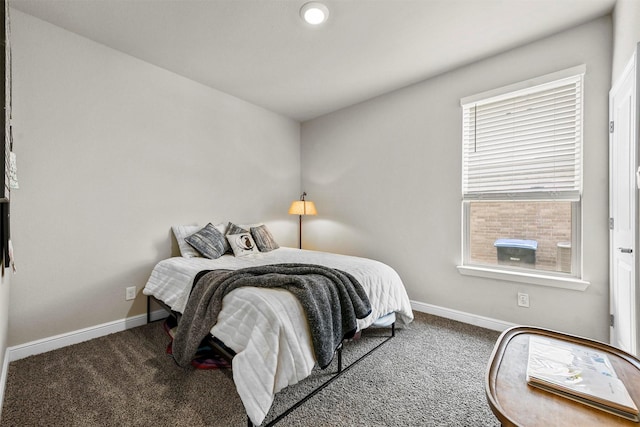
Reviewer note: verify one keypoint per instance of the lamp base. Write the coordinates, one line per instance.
(299, 231)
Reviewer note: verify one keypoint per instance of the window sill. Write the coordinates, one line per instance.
(531, 278)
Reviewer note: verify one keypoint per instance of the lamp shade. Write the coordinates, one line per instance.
(302, 207)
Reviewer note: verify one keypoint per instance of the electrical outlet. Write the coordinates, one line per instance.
(130, 293)
(523, 299)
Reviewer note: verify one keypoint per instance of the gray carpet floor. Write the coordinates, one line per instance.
(430, 374)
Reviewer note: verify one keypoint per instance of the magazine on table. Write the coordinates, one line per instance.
(579, 373)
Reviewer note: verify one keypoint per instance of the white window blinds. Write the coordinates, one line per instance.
(525, 144)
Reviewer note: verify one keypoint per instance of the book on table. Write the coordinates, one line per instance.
(578, 373)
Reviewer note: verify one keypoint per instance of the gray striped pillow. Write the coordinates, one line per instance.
(222, 228)
(263, 238)
(209, 242)
(235, 229)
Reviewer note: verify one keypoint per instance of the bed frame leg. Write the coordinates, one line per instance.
(148, 309)
(249, 423)
(393, 329)
(340, 358)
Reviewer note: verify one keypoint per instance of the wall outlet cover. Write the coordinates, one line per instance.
(523, 299)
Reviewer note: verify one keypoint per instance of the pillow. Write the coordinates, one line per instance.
(263, 238)
(223, 228)
(181, 232)
(248, 226)
(235, 229)
(242, 244)
(209, 242)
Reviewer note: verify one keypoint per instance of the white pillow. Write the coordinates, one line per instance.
(242, 244)
(222, 227)
(181, 232)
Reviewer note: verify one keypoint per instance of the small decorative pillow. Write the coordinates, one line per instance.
(233, 229)
(181, 232)
(242, 244)
(209, 242)
(263, 238)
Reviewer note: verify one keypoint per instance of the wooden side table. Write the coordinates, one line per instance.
(515, 403)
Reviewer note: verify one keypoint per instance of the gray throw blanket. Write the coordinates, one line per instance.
(332, 299)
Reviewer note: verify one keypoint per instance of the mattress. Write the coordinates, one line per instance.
(267, 328)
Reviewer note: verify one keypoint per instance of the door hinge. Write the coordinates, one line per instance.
(611, 126)
(611, 320)
(610, 223)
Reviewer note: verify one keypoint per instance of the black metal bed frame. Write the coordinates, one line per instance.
(223, 351)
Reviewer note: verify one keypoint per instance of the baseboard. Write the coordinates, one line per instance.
(58, 341)
(461, 316)
(52, 343)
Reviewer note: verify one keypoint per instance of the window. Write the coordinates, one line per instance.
(522, 177)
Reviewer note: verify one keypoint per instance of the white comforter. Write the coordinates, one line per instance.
(267, 328)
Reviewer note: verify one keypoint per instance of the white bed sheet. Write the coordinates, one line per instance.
(267, 328)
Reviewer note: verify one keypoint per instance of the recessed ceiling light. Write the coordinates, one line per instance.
(314, 13)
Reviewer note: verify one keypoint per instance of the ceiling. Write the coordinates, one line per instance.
(262, 52)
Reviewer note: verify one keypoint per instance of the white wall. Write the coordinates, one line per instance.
(626, 34)
(112, 152)
(386, 178)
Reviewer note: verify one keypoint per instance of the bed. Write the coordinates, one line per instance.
(266, 328)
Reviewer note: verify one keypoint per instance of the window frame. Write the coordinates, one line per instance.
(573, 280)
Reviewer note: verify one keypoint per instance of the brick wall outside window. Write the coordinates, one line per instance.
(548, 223)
